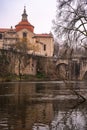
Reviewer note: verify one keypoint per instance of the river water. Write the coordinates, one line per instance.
(43, 106)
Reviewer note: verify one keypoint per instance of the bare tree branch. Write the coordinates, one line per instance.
(71, 20)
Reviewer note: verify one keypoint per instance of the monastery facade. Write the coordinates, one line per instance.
(39, 44)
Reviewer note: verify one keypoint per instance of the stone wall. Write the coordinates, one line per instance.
(27, 63)
(12, 62)
(47, 66)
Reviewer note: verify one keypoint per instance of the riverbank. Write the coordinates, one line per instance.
(32, 78)
(15, 78)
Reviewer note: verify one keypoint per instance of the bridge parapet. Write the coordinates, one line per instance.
(62, 61)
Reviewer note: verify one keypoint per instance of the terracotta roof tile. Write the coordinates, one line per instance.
(5, 29)
(24, 24)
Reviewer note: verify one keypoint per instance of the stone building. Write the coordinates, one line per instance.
(39, 44)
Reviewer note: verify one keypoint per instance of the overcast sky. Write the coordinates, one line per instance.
(40, 13)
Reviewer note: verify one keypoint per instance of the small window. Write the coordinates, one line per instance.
(44, 47)
(0, 36)
(24, 35)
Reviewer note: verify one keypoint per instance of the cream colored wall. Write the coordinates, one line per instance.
(1, 43)
(39, 47)
(40, 51)
(29, 35)
(8, 39)
(49, 46)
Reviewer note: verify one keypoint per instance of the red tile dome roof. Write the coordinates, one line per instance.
(24, 24)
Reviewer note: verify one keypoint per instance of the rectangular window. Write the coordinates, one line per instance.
(0, 36)
(44, 47)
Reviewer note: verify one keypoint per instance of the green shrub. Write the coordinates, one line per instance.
(40, 75)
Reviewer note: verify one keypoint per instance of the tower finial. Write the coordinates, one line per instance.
(24, 7)
(24, 15)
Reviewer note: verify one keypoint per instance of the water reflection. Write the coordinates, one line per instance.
(37, 106)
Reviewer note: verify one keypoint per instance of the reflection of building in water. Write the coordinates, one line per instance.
(33, 113)
(36, 112)
(22, 111)
(39, 113)
(19, 111)
(21, 114)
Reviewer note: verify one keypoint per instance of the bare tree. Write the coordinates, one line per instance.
(71, 26)
(71, 21)
(21, 48)
(56, 49)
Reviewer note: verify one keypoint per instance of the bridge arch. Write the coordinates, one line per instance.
(62, 61)
(62, 70)
(85, 76)
(83, 70)
(74, 68)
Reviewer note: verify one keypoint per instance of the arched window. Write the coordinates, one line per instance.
(24, 35)
(0, 36)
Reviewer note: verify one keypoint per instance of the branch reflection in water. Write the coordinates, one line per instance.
(42, 106)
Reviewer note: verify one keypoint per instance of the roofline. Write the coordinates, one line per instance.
(6, 29)
(43, 36)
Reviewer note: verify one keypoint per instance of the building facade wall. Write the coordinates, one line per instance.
(46, 45)
(43, 45)
(29, 35)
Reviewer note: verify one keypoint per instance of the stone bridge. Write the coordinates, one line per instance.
(83, 69)
(75, 68)
(62, 61)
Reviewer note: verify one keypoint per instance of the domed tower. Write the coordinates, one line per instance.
(24, 24)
